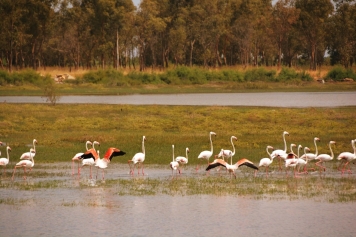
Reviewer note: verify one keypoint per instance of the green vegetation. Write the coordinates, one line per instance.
(177, 80)
(62, 130)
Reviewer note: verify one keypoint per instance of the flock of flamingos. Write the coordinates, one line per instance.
(291, 160)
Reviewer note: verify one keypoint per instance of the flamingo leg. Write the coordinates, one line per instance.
(142, 169)
(13, 173)
(24, 172)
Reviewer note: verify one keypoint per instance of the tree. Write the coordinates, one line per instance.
(312, 24)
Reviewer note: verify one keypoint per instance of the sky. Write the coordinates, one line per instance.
(136, 2)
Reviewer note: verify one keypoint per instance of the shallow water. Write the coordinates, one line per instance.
(83, 207)
(268, 99)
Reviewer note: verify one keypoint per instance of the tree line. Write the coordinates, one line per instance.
(208, 33)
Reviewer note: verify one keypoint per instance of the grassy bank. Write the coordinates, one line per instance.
(62, 130)
(177, 80)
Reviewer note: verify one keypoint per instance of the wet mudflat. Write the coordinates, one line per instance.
(52, 202)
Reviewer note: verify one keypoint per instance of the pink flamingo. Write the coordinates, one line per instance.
(311, 156)
(102, 163)
(183, 161)
(90, 161)
(266, 162)
(302, 162)
(174, 164)
(25, 164)
(206, 154)
(138, 159)
(325, 157)
(230, 167)
(76, 157)
(4, 161)
(281, 154)
(291, 162)
(28, 155)
(347, 157)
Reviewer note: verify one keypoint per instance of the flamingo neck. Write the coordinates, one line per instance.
(269, 154)
(8, 156)
(316, 148)
(173, 153)
(353, 146)
(211, 144)
(331, 151)
(186, 153)
(143, 146)
(34, 145)
(86, 145)
(233, 148)
(285, 143)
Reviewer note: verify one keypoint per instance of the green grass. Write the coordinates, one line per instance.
(62, 130)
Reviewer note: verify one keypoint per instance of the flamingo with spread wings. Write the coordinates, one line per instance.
(102, 163)
(230, 167)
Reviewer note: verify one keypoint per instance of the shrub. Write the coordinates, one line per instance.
(259, 74)
(338, 73)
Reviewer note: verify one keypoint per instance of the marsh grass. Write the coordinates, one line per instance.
(61, 130)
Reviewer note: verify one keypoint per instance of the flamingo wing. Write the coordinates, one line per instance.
(216, 163)
(246, 162)
(91, 153)
(112, 152)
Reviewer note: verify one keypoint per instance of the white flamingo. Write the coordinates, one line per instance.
(291, 162)
(102, 163)
(303, 162)
(183, 161)
(90, 161)
(206, 154)
(230, 167)
(281, 154)
(325, 157)
(76, 157)
(228, 153)
(266, 162)
(25, 164)
(347, 157)
(312, 156)
(4, 161)
(138, 159)
(28, 155)
(174, 164)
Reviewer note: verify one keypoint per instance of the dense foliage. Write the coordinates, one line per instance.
(209, 33)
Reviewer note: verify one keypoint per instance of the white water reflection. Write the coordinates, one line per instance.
(268, 99)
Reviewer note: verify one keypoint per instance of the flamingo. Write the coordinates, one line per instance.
(325, 157)
(301, 161)
(90, 161)
(102, 163)
(228, 153)
(183, 161)
(281, 154)
(4, 161)
(27, 155)
(231, 168)
(312, 156)
(347, 157)
(174, 164)
(138, 158)
(266, 162)
(291, 162)
(76, 157)
(25, 164)
(206, 154)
